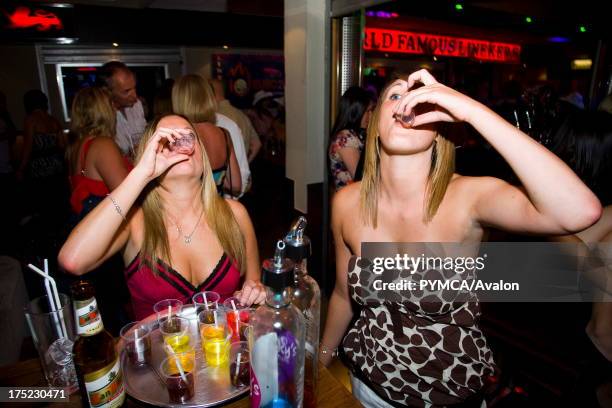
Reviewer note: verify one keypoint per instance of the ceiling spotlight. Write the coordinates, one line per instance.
(115, 45)
(225, 47)
(65, 40)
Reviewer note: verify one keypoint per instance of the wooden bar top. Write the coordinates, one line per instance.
(28, 373)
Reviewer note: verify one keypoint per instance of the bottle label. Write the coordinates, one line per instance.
(105, 387)
(255, 394)
(88, 320)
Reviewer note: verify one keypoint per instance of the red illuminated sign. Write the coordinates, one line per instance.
(406, 42)
(41, 20)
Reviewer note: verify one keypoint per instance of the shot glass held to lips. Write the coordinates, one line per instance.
(404, 116)
(185, 144)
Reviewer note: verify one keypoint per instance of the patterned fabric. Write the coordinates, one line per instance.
(149, 283)
(345, 138)
(46, 160)
(426, 353)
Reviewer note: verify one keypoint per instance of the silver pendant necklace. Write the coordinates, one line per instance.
(187, 238)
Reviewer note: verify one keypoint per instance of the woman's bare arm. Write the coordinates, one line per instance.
(104, 231)
(233, 180)
(556, 201)
(350, 158)
(108, 162)
(339, 311)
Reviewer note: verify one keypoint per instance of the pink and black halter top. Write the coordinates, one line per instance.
(149, 283)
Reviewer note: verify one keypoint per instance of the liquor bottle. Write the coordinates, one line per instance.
(95, 358)
(307, 298)
(277, 340)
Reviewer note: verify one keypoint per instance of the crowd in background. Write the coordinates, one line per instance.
(53, 175)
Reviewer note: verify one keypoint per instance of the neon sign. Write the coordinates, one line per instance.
(406, 42)
(41, 20)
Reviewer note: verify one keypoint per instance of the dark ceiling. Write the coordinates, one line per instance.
(552, 18)
(207, 23)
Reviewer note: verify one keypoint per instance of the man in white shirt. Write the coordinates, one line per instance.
(238, 142)
(121, 82)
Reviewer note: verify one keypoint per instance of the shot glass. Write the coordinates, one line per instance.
(175, 333)
(233, 302)
(404, 116)
(206, 301)
(239, 369)
(215, 339)
(187, 358)
(167, 308)
(184, 144)
(179, 382)
(137, 343)
(238, 322)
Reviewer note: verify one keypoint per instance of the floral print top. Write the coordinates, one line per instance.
(345, 138)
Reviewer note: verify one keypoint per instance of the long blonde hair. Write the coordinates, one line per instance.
(193, 98)
(440, 172)
(92, 115)
(219, 215)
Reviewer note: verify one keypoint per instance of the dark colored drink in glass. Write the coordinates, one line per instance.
(240, 371)
(180, 391)
(139, 351)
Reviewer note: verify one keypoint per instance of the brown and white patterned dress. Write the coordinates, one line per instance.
(419, 353)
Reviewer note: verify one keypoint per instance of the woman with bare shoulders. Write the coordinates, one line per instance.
(400, 354)
(96, 166)
(193, 97)
(177, 236)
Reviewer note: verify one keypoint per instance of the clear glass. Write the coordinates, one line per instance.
(404, 116)
(185, 144)
(238, 323)
(214, 335)
(186, 357)
(240, 366)
(167, 308)
(137, 343)
(205, 300)
(54, 350)
(175, 333)
(277, 353)
(232, 302)
(307, 298)
(181, 386)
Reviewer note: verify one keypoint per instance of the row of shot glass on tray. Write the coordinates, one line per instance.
(222, 335)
